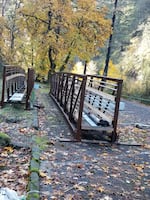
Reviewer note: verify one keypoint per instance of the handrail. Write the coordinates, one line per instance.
(13, 78)
(14, 81)
(76, 94)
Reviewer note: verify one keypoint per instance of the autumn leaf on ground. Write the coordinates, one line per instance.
(47, 181)
(42, 174)
(2, 164)
(21, 130)
(100, 189)
(139, 167)
(43, 157)
(69, 197)
(9, 149)
(105, 169)
(80, 166)
(79, 187)
(147, 146)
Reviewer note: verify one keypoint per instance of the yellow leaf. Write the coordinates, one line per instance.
(2, 165)
(91, 194)
(42, 174)
(9, 149)
(147, 146)
(139, 167)
(105, 154)
(69, 197)
(105, 168)
(100, 189)
(79, 187)
(43, 157)
(48, 181)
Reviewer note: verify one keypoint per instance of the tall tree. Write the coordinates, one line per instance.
(4, 2)
(64, 29)
(110, 40)
(8, 29)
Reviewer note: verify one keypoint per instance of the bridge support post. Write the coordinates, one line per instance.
(79, 122)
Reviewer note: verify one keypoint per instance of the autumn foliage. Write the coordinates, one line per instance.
(51, 33)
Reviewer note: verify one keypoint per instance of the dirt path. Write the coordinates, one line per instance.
(73, 171)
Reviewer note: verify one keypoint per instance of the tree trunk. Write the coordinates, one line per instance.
(52, 64)
(110, 40)
(65, 62)
(4, 2)
(85, 67)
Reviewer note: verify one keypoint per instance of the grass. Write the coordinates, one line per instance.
(15, 111)
(4, 139)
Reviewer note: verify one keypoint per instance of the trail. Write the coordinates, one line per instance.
(76, 170)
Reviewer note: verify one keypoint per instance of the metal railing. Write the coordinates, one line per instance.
(14, 81)
(88, 102)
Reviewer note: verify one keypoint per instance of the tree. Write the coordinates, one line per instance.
(9, 30)
(110, 40)
(62, 29)
(113, 70)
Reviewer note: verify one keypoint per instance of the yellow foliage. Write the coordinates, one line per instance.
(78, 68)
(113, 71)
(48, 31)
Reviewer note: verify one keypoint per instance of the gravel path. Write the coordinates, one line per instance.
(80, 171)
(134, 112)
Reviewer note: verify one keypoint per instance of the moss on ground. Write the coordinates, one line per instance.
(4, 139)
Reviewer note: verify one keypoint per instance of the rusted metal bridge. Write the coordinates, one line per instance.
(89, 103)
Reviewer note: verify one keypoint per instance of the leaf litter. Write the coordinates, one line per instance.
(92, 171)
(76, 170)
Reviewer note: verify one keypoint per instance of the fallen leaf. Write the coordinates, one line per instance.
(9, 149)
(100, 189)
(47, 181)
(147, 146)
(43, 157)
(80, 166)
(79, 187)
(42, 174)
(69, 197)
(138, 167)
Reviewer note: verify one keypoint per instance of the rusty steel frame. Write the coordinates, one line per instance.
(63, 92)
(68, 91)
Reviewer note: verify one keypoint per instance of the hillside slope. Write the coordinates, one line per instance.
(131, 42)
(136, 59)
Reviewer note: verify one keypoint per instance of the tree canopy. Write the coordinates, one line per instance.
(49, 34)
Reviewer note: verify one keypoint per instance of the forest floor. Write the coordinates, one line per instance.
(77, 170)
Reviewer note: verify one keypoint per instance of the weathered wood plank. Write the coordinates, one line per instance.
(100, 93)
(14, 76)
(98, 112)
(97, 128)
(17, 97)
